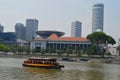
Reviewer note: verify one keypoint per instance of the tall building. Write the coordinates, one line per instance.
(98, 17)
(1, 28)
(20, 31)
(32, 27)
(76, 29)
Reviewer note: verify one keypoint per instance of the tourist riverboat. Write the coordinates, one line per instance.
(48, 63)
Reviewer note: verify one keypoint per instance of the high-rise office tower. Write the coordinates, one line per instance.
(1, 28)
(97, 17)
(32, 27)
(20, 31)
(76, 29)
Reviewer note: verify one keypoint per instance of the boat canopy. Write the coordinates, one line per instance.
(43, 59)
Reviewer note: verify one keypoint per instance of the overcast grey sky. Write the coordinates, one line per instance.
(58, 14)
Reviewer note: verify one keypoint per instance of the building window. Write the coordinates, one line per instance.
(37, 43)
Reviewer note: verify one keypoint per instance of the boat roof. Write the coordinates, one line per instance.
(38, 58)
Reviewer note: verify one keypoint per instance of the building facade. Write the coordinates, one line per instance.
(76, 29)
(98, 17)
(8, 38)
(20, 31)
(31, 28)
(1, 28)
(58, 43)
(22, 42)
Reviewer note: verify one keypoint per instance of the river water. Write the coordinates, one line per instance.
(12, 69)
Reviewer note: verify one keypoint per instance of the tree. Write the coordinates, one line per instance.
(43, 51)
(13, 48)
(27, 49)
(118, 49)
(93, 50)
(20, 49)
(100, 38)
(4, 48)
(50, 50)
(110, 40)
(69, 50)
(77, 51)
(60, 52)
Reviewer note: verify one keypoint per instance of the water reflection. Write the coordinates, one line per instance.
(38, 73)
(100, 71)
(95, 73)
(39, 70)
(111, 71)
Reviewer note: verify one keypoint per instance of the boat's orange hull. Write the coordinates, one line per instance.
(48, 66)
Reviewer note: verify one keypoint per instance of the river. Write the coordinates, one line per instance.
(12, 69)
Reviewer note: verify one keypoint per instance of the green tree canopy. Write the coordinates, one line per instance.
(100, 38)
(4, 48)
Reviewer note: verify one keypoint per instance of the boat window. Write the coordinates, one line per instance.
(43, 61)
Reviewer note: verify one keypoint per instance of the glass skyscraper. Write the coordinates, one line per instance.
(98, 17)
(76, 29)
(20, 31)
(31, 28)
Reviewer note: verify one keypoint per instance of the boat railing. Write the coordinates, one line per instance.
(41, 61)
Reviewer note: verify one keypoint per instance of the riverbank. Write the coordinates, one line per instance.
(70, 58)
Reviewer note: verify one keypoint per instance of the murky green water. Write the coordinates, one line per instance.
(11, 69)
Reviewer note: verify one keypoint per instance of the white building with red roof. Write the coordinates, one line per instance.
(57, 42)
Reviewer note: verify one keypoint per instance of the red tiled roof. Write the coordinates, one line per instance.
(72, 39)
(54, 37)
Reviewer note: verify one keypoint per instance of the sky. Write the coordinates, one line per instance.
(59, 14)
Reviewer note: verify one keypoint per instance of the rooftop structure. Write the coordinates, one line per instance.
(54, 37)
(46, 34)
